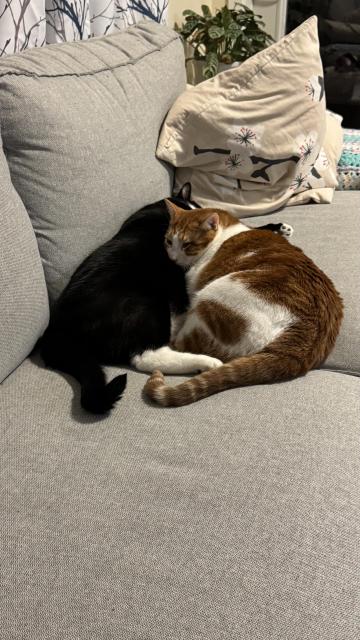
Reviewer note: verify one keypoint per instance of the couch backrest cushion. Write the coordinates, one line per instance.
(80, 123)
(24, 307)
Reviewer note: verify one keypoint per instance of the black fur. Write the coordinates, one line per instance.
(117, 304)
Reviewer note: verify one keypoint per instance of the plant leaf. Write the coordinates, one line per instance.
(225, 35)
(211, 65)
(206, 11)
(226, 17)
(216, 32)
(189, 27)
(234, 30)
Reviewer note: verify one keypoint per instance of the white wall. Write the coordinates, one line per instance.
(176, 7)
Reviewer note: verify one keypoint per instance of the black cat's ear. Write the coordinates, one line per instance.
(185, 192)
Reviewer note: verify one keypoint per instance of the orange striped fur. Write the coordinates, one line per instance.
(258, 303)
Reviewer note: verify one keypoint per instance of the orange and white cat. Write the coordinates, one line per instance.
(257, 304)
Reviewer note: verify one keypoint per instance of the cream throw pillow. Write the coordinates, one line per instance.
(256, 137)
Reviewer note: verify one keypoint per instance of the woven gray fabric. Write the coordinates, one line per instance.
(330, 235)
(24, 307)
(237, 517)
(80, 123)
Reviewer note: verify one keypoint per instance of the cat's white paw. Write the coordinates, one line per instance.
(286, 230)
(207, 362)
(137, 362)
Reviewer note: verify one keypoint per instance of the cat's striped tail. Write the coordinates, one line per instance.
(258, 368)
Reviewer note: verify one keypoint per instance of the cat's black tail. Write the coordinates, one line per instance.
(70, 356)
(100, 397)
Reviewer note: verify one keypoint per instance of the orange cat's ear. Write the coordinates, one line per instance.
(173, 210)
(212, 222)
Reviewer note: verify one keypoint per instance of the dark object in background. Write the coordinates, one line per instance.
(339, 34)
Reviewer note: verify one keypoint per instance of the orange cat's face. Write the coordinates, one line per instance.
(189, 233)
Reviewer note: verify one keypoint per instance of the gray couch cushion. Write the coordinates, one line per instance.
(80, 123)
(24, 307)
(236, 518)
(330, 235)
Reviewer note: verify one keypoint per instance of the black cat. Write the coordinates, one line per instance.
(118, 303)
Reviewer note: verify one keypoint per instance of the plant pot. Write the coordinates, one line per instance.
(194, 69)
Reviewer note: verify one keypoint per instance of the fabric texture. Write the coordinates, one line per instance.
(253, 137)
(24, 307)
(349, 163)
(330, 236)
(32, 23)
(325, 165)
(233, 518)
(236, 517)
(80, 123)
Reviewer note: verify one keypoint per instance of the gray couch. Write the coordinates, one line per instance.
(237, 518)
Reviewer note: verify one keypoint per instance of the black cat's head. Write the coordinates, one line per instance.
(183, 198)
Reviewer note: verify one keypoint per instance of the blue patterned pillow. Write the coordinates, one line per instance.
(349, 164)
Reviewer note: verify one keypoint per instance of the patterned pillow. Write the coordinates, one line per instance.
(349, 163)
(253, 138)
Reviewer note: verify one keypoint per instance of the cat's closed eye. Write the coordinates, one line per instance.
(186, 245)
(168, 241)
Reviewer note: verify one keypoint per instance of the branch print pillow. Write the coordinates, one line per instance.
(253, 137)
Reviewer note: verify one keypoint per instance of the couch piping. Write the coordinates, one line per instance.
(87, 73)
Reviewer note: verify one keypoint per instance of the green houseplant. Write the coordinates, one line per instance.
(225, 37)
